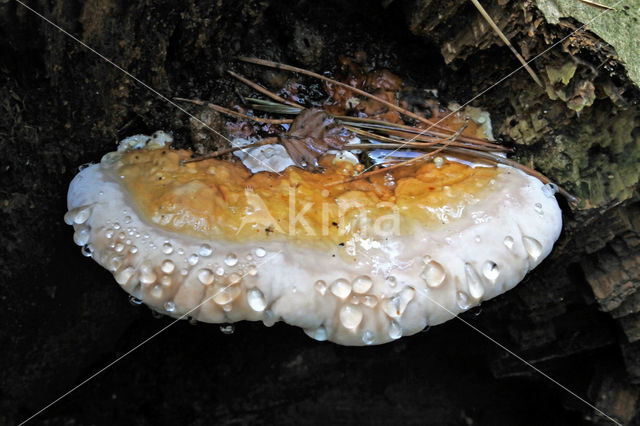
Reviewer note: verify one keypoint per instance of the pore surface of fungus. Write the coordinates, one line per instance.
(355, 262)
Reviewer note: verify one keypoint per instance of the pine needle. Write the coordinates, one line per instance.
(506, 41)
(404, 111)
(233, 113)
(272, 107)
(598, 5)
(381, 125)
(402, 163)
(263, 90)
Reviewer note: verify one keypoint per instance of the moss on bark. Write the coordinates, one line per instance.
(618, 27)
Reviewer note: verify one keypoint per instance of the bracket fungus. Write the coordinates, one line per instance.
(359, 262)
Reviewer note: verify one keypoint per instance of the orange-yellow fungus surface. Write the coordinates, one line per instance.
(217, 199)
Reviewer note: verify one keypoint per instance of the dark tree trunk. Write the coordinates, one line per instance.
(577, 317)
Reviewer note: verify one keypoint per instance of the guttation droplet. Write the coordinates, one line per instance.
(321, 287)
(476, 289)
(193, 259)
(269, 318)
(115, 263)
(508, 241)
(490, 270)
(433, 274)
(368, 337)
(532, 246)
(147, 276)
(362, 284)
(167, 248)
(169, 306)
(369, 300)
(82, 215)
(549, 190)
(256, 300)
(395, 331)
(205, 250)
(319, 334)
(341, 288)
(462, 299)
(396, 305)
(538, 208)
(68, 217)
(124, 275)
(226, 294)
(167, 266)
(82, 236)
(156, 291)
(392, 281)
(227, 328)
(350, 316)
(260, 252)
(87, 250)
(135, 301)
(205, 276)
(231, 259)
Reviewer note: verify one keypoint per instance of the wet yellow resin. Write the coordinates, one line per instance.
(217, 199)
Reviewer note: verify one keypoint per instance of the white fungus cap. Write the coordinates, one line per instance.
(395, 287)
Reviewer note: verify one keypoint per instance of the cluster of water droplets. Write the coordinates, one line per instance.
(78, 218)
(477, 280)
(356, 299)
(159, 281)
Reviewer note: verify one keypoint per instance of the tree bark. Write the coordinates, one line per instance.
(64, 318)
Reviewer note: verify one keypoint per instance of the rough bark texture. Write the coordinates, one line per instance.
(577, 317)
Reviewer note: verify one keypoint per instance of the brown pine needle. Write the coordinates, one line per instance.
(220, 152)
(386, 169)
(386, 145)
(277, 65)
(417, 143)
(377, 137)
(403, 163)
(506, 41)
(471, 153)
(474, 144)
(598, 5)
(264, 91)
(233, 113)
(345, 119)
